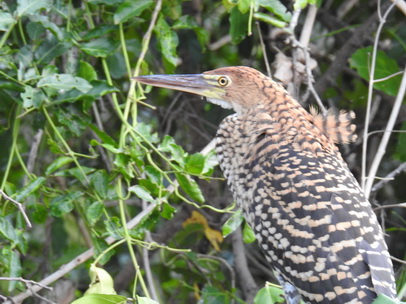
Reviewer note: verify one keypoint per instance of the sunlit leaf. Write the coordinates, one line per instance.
(27, 7)
(142, 193)
(145, 300)
(101, 299)
(195, 163)
(32, 97)
(190, 187)
(269, 294)
(248, 234)
(233, 223)
(57, 163)
(301, 4)
(101, 281)
(277, 8)
(269, 19)
(384, 67)
(87, 71)
(6, 20)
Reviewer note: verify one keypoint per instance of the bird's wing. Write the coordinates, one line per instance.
(308, 212)
(315, 221)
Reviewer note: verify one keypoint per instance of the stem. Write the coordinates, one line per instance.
(386, 135)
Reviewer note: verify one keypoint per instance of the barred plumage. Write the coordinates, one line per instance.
(308, 212)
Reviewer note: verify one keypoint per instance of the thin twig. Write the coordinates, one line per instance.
(19, 206)
(261, 40)
(366, 183)
(389, 177)
(25, 281)
(401, 205)
(385, 138)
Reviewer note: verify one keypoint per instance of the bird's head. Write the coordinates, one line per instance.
(239, 88)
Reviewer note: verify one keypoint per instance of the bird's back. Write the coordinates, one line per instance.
(306, 208)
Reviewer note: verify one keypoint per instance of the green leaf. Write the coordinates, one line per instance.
(47, 24)
(94, 212)
(130, 9)
(15, 269)
(57, 163)
(269, 19)
(239, 25)
(384, 67)
(29, 7)
(64, 82)
(101, 47)
(167, 211)
(63, 204)
(145, 300)
(99, 180)
(7, 230)
(32, 97)
(244, 6)
(29, 189)
(269, 294)
(142, 193)
(100, 299)
(168, 41)
(176, 152)
(195, 163)
(233, 223)
(188, 22)
(212, 295)
(50, 49)
(101, 282)
(248, 234)
(190, 187)
(87, 71)
(301, 4)
(6, 21)
(103, 136)
(277, 8)
(383, 299)
(100, 31)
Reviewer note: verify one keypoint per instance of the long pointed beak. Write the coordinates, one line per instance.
(192, 83)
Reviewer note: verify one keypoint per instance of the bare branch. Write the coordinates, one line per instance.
(261, 40)
(385, 138)
(389, 177)
(19, 206)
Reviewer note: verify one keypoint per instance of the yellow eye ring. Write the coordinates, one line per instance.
(223, 81)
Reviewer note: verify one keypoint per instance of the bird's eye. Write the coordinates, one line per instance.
(223, 81)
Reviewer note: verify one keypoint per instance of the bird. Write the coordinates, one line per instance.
(315, 226)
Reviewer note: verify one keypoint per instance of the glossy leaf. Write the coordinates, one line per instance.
(130, 9)
(385, 66)
(269, 19)
(29, 189)
(277, 8)
(57, 163)
(233, 223)
(248, 234)
(239, 25)
(190, 187)
(142, 193)
(101, 47)
(269, 294)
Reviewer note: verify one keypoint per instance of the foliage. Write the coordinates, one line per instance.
(97, 165)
